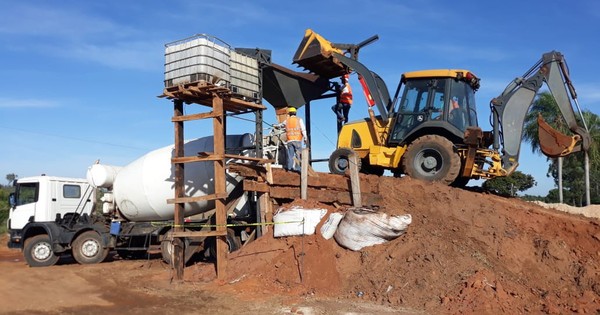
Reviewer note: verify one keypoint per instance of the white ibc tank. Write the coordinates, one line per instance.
(141, 189)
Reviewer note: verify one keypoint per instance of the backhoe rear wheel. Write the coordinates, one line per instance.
(432, 158)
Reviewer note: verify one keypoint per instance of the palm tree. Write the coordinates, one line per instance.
(545, 105)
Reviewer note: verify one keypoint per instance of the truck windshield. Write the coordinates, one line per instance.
(26, 193)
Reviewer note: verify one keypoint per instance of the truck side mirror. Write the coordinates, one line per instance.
(11, 200)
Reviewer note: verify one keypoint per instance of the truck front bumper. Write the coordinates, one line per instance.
(15, 239)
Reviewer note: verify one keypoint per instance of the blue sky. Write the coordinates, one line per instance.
(80, 79)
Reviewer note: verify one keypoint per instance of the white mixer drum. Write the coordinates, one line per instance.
(141, 189)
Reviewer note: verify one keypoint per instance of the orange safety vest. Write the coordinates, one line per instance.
(346, 95)
(293, 129)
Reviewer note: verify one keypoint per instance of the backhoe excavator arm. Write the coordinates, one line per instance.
(510, 109)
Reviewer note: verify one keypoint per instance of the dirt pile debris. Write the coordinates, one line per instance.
(464, 253)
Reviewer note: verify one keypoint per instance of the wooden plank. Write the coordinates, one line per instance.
(202, 158)
(304, 175)
(199, 234)
(355, 181)
(250, 185)
(368, 183)
(248, 158)
(220, 185)
(182, 200)
(266, 215)
(247, 170)
(325, 196)
(269, 177)
(178, 254)
(193, 117)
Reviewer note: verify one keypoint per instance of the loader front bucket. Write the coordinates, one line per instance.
(315, 55)
(553, 143)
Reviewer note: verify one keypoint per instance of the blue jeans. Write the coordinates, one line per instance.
(293, 150)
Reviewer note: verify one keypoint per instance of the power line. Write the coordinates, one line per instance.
(74, 138)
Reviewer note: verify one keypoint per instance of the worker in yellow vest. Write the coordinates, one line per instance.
(295, 134)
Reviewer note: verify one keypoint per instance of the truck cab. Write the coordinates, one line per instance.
(39, 205)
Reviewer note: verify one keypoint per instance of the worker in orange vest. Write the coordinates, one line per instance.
(296, 134)
(346, 97)
(343, 101)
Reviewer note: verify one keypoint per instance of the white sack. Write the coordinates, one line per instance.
(330, 226)
(297, 221)
(363, 227)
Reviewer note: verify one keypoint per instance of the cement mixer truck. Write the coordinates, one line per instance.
(55, 216)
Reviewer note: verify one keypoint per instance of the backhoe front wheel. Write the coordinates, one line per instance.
(432, 158)
(339, 161)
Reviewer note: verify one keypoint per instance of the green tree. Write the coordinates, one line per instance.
(4, 207)
(11, 178)
(509, 185)
(573, 165)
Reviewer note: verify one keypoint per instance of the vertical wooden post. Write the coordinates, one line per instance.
(178, 256)
(304, 175)
(355, 180)
(220, 184)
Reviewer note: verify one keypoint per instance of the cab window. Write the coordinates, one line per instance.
(27, 193)
(72, 191)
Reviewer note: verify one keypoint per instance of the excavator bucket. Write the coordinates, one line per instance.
(554, 143)
(315, 55)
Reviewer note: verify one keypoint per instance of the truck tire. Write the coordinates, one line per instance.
(190, 248)
(38, 251)
(432, 158)
(88, 248)
(339, 161)
(233, 243)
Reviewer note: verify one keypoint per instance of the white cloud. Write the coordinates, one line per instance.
(27, 103)
(36, 20)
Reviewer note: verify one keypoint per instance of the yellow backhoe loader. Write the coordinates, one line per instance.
(429, 129)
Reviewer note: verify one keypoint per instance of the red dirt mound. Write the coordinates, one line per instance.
(464, 253)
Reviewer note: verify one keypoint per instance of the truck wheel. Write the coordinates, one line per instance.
(38, 251)
(190, 248)
(88, 249)
(339, 161)
(432, 158)
(233, 243)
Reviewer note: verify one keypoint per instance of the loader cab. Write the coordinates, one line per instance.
(434, 101)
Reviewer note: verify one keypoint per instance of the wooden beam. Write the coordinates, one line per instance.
(250, 185)
(304, 175)
(220, 185)
(193, 117)
(355, 181)
(199, 234)
(197, 198)
(324, 196)
(178, 254)
(203, 158)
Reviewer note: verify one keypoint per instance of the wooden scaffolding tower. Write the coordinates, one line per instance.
(221, 102)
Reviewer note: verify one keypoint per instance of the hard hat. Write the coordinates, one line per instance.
(292, 110)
